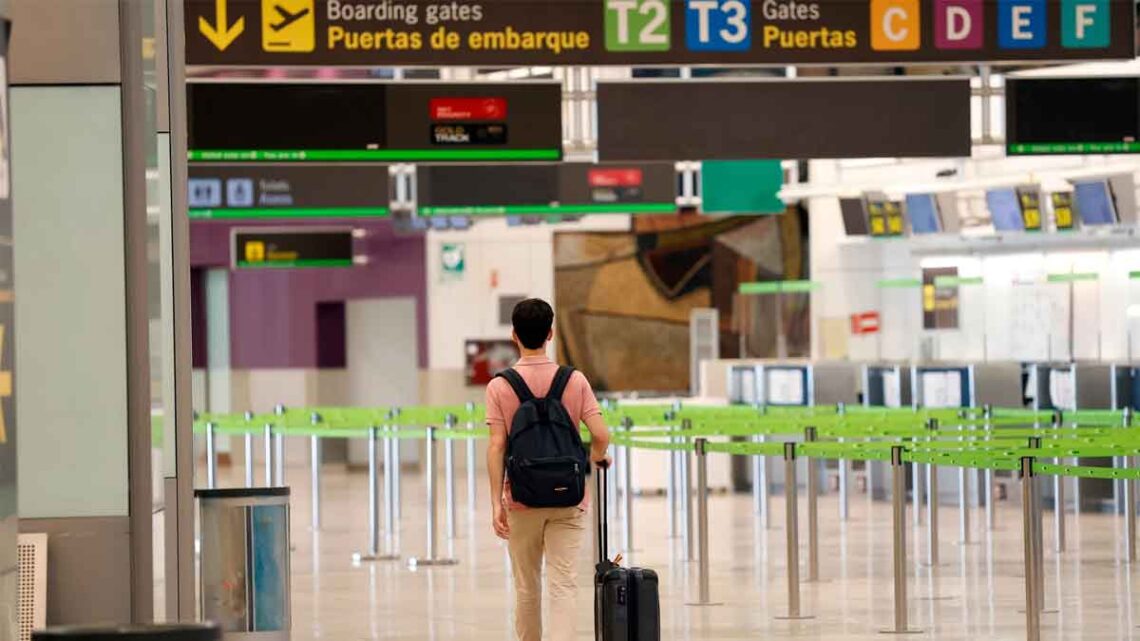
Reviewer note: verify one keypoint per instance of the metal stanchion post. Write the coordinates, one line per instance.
(988, 474)
(916, 490)
(249, 459)
(279, 455)
(397, 495)
(449, 423)
(1032, 599)
(315, 471)
(1038, 547)
(702, 523)
(471, 490)
(898, 519)
(791, 528)
(268, 455)
(932, 514)
(813, 509)
(844, 466)
(671, 484)
(1130, 517)
(963, 508)
(373, 553)
(430, 470)
(211, 457)
(1059, 511)
(761, 483)
(248, 446)
(627, 497)
(686, 493)
(391, 519)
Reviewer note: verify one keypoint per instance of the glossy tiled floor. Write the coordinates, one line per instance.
(976, 592)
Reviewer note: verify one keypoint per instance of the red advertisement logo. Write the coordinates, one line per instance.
(477, 109)
(630, 177)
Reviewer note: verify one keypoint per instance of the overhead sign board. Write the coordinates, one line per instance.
(545, 189)
(374, 122)
(250, 191)
(804, 118)
(283, 247)
(652, 32)
(1094, 115)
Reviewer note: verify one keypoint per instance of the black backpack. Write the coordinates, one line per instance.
(546, 461)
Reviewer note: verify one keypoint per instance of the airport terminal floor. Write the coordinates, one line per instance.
(976, 591)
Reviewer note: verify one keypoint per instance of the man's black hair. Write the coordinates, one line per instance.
(532, 320)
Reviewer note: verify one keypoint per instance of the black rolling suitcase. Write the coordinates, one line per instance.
(626, 605)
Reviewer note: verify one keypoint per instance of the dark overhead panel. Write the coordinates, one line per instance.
(545, 189)
(374, 122)
(807, 118)
(1072, 115)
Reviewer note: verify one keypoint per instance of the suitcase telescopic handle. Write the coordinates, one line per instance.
(603, 510)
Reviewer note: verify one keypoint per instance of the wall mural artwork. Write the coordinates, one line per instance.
(623, 299)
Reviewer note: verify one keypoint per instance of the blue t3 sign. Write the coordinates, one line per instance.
(718, 25)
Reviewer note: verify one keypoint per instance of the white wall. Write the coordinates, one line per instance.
(71, 368)
(1014, 315)
(500, 260)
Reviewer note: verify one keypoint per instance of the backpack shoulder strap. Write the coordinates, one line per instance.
(522, 391)
(561, 379)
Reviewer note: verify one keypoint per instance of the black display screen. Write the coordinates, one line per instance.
(787, 119)
(286, 116)
(1072, 115)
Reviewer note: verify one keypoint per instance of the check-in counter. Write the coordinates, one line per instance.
(1078, 386)
(886, 385)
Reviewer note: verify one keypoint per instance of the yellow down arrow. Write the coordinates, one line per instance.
(220, 33)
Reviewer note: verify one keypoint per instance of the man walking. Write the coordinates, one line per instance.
(537, 533)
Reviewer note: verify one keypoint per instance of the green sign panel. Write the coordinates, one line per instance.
(741, 187)
(779, 287)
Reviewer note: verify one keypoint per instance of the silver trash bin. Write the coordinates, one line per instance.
(245, 561)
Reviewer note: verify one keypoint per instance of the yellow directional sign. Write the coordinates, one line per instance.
(221, 34)
(288, 26)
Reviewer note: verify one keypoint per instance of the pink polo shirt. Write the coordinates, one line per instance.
(538, 372)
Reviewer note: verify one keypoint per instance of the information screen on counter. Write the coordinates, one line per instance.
(282, 247)
(366, 122)
(1062, 202)
(261, 191)
(666, 120)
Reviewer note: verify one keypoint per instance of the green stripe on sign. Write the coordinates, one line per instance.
(778, 287)
(1110, 147)
(900, 283)
(524, 210)
(1134, 275)
(305, 262)
(377, 155)
(1070, 278)
(289, 212)
(957, 281)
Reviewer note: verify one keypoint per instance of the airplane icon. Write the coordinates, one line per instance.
(287, 18)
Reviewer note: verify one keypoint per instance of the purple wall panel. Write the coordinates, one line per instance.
(273, 312)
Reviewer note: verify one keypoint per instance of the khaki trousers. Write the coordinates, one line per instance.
(557, 534)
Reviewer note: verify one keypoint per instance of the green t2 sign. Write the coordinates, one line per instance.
(637, 25)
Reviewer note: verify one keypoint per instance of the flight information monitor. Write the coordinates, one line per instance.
(1095, 204)
(373, 122)
(1005, 210)
(1096, 115)
(922, 210)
